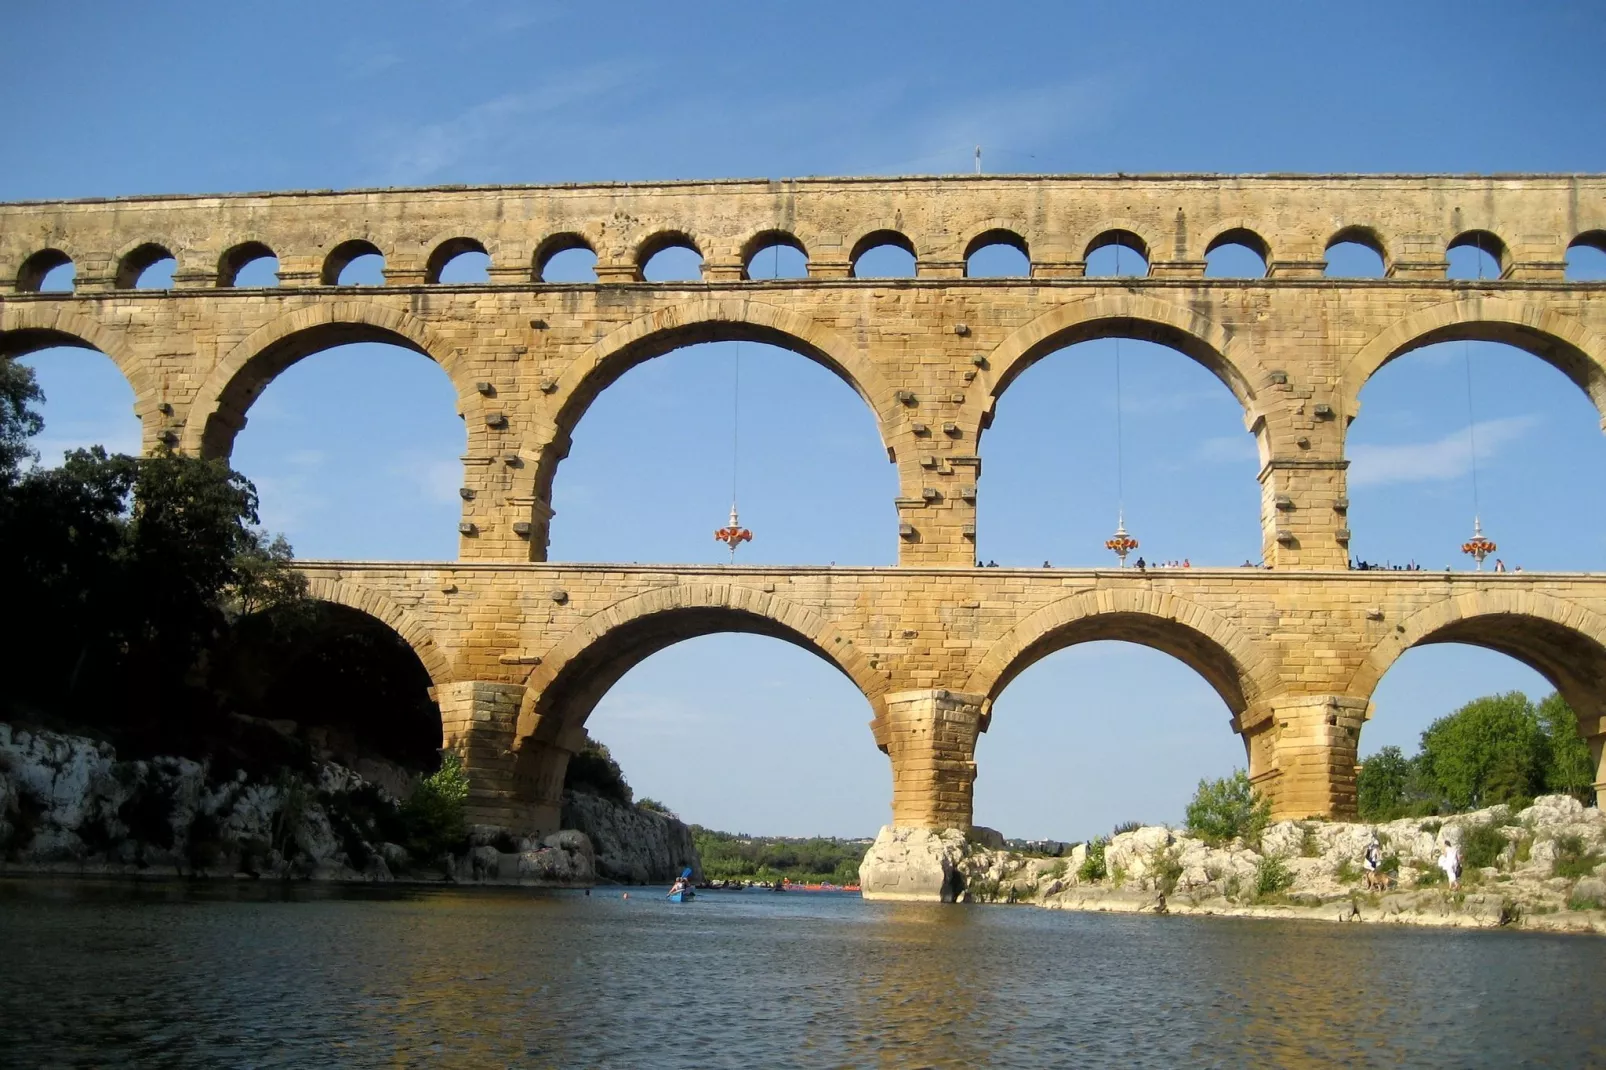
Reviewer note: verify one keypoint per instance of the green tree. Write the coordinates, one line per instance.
(1569, 768)
(1384, 784)
(1226, 809)
(19, 420)
(433, 814)
(1491, 750)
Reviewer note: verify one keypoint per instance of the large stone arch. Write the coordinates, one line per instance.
(1127, 315)
(1198, 637)
(1557, 339)
(382, 608)
(218, 412)
(704, 320)
(29, 326)
(574, 675)
(1561, 640)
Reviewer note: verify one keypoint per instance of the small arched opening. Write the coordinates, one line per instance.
(1117, 254)
(1476, 254)
(775, 254)
(883, 254)
(565, 258)
(670, 256)
(998, 254)
(249, 264)
(1586, 257)
(1356, 253)
(147, 267)
(1238, 253)
(357, 262)
(458, 260)
(47, 271)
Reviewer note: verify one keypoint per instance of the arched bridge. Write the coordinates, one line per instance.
(520, 650)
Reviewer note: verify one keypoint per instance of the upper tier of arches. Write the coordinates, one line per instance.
(1526, 233)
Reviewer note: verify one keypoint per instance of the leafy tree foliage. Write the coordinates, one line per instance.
(433, 814)
(1495, 749)
(19, 421)
(594, 772)
(737, 857)
(1227, 809)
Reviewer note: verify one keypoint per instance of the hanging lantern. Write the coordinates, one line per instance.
(733, 535)
(1478, 546)
(1121, 542)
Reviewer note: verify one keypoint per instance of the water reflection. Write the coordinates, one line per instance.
(297, 975)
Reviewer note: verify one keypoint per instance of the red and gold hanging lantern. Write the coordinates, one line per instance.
(1478, 546)
(733, 534)
(1121, 542)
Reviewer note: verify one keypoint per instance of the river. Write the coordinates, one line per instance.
(261, 975)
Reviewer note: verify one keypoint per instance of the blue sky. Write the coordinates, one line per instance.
(749, 733)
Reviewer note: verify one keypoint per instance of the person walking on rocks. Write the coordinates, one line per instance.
(1450, 862)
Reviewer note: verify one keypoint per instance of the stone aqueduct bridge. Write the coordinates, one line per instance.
(520, 650)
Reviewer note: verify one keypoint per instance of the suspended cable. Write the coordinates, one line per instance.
(1121, 542)
(733, 534)
(1478, 547)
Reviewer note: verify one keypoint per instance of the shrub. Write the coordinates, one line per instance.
(1431, 827)
(1347, 872)
(594, 772)
(1310, 845)
(1578, 902)
(1228, 809)
(1092, 867)
(1427, 878)
(656, 807)
(1572, 860)
(1390, 865)
(1481, 845)
(1126, 826)
(1167, 871)
(1057, 870)
(1272, 875)
(432, 816)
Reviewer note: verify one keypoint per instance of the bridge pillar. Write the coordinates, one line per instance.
(1302, 754)
(1304, 513)
(477, 722)
(931, 738)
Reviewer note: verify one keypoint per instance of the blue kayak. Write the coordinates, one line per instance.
(682, 897)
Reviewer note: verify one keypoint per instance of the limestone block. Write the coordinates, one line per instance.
(914, 864)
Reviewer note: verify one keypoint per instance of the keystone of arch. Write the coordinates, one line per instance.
(1211, 344)
(818, 634)
(404, 325)
(1002, 662)
(1469, 606)
(816, 342)
(379, 606)
(1583, 364)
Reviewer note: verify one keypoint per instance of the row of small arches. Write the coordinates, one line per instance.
(673, 256)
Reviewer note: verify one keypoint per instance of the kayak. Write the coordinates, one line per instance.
(682, 896)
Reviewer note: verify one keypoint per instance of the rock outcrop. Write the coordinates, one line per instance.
(632, 845)
(1546, 868)
(915, 864)
(69, 806)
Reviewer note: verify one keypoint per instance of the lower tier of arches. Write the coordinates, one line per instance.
(519, 655)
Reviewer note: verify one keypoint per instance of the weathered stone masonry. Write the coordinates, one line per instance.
(520, 650)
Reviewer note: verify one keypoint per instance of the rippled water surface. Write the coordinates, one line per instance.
(226, 975)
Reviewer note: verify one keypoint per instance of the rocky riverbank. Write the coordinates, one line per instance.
(69, 806)
(1543, 867)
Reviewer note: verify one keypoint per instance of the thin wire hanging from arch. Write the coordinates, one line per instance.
(1121, 542)
(733, 534)
(1479, 546)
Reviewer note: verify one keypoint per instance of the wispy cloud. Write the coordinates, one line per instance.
(512, 121)
(1449, 457)
(435, 480)
(1224, 449)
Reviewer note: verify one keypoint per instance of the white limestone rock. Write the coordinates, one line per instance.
(914, 864)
